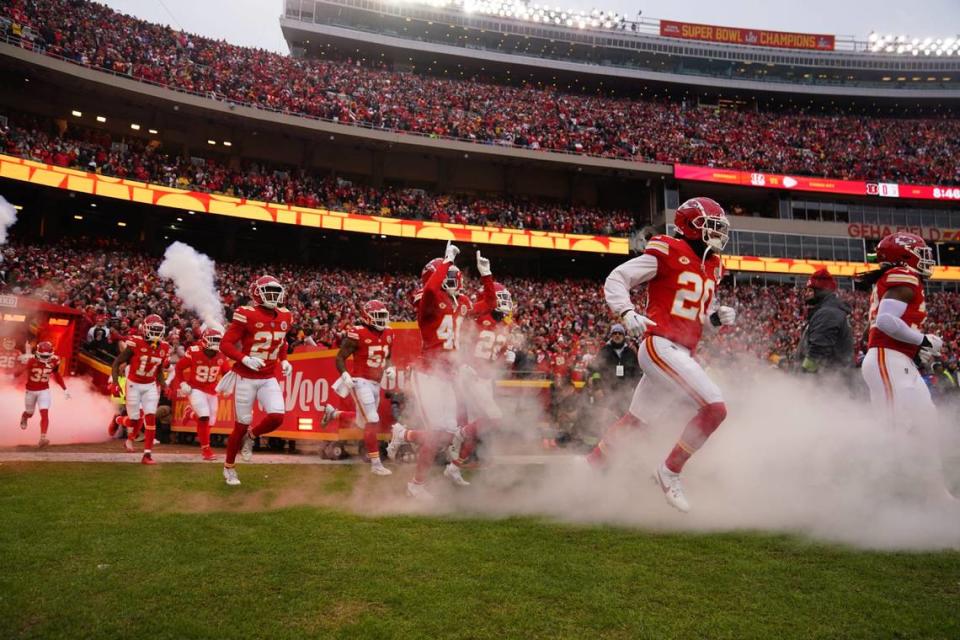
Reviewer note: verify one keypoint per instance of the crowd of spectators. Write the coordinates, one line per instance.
(917, 150)
(94, 151)
(557, 327)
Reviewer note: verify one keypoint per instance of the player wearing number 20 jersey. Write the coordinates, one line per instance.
(681, 273)
(256, 342)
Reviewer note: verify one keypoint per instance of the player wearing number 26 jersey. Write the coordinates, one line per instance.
(256, 342)
(681, 274)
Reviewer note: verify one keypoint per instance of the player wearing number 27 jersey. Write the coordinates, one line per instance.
(681, 273)
(256, 342)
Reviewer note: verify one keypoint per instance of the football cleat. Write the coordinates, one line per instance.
(207, 453)
(329, 413)
(246, 451)
(23, 422)
(128, 445)
(147, 459)
(672, 489)
(43, 442)
(452, 473)
(113, 428)
(377, 468)
(396, 440)
(230, 476)
(418, 491)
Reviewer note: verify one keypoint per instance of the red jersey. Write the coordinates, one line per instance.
(148, 358)
(487, 335)
(201, 371)
(914, 316)
(680, 294)
(439, 317)
(9, 360)
(39, 373)
(373, 351)
(261, 333)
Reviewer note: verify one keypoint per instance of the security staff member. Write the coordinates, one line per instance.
(827, 340)
(614, 372)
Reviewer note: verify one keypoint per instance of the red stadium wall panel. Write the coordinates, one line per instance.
(133, 191)
(748, 37)
(817, 185)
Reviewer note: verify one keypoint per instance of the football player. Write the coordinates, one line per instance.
(9, 358)
(369, 343)
(896, 341)
(256, 342)
(441, 309)
(42, 365)
(487, 335)
(199, 371)
(148, 355)
(681, 273)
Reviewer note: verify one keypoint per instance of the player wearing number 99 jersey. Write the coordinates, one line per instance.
(199, 371)
(681, 273)
(256, 342)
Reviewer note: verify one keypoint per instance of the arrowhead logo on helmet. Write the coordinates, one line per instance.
(907, 250)
(703, 219)
(210, 338)
(374, 314)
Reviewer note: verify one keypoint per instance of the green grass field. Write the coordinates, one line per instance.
(120, 551)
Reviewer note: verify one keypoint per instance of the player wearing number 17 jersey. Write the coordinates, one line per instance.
(256, 342)
(148, 356)
(681, 273)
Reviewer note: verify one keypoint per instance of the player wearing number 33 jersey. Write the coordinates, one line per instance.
(681, 273)
(256, 342)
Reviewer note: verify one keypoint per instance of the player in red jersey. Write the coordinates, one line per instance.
(486, 337)
(681, 273)
(199, 371)
(9, 358)
(369, 343)
(40, 367)
(256, 342)
(897, 311)
(148, 356)
(441, 309)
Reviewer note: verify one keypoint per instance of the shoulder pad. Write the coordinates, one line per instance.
(659, 244)
(900, 277)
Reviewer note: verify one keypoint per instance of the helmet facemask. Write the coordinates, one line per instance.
(271, 294)
(715, 231)
(504, 302)
(379, 319)
(154, 331)
(451, 283)
(925, 261)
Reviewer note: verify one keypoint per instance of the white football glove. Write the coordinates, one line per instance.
(483, 265)
(390, 377)
(930, 348)
(252, 363)
(510, 356)
(286, 368)
(185, 389)
(727, 316)
(636, 324)
(451, 252)
(347, 381)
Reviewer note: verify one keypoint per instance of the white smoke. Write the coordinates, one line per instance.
(83, 418)
(193, 275)
(8, 216)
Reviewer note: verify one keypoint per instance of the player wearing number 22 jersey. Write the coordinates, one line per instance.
(256, 342)
(147, 357)
(681, 273)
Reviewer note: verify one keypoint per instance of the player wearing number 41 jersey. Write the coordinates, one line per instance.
(256, 342)
(148, 356)
(681, 274)
(198, 372)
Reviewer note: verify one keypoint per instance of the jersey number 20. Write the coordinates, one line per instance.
(694, 295)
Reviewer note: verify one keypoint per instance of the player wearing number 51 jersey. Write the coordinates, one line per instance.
(148, 356)
(256, 342)
(681, 274)
(199, 371)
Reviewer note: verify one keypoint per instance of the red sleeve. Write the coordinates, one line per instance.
(182, 365)
(282, 355)
(487, 302)
(432, 291)
(233, 336)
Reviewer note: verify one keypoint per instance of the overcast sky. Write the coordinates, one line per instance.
(254, 22)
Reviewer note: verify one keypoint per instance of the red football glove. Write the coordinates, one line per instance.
(113, 389)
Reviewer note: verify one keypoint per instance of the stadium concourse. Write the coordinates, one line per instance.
(116, 285)
(838, 145)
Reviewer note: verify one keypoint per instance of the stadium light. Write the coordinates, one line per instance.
(121, 224)
(135, 126)
(213, 142)
(153, 131)
(76, 114)
(101, 119)
(227, 143)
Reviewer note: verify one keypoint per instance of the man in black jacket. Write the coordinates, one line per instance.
(827, 340)
(614, 372)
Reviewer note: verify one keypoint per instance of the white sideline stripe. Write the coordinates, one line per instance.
(189, 458)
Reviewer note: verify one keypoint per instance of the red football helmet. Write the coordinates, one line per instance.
(267, 292)
(44, 351)
(504, 299)
(374, 313)
(210, 338)
(451, 284)
(906, 250)
(703, 219)
(153, 327)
